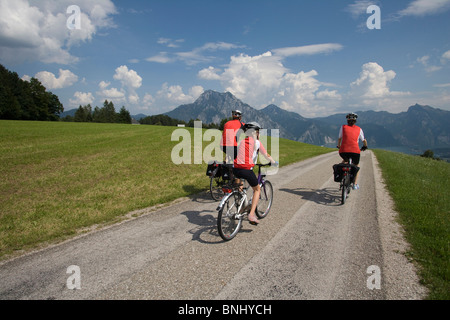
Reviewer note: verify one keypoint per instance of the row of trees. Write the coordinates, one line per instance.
(26, 100)
(105, 114)
(29, 100)
(164, 120)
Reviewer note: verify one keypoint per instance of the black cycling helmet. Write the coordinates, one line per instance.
(252, 125)
(352, 116)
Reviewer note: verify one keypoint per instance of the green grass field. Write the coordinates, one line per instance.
(59, 178)
(420, 188)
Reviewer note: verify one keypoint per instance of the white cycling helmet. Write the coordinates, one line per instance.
(252, 125)
(352, 116)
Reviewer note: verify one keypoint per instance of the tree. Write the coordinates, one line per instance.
(26, 100)
(124, 116)
(106, 114)
(9, 106)
(428, 154)
(83, 114)
(222, 123)
(54, 107)
(109, 112)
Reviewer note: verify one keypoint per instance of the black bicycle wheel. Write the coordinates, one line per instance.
(345, 186)
(227, 223)
(265, 200)
(215, 186)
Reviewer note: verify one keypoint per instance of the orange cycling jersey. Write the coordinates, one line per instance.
(229, 133)
(248, 153)
(350, 136)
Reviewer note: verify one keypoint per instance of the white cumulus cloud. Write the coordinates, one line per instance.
(130, 81)
(50, 81)
(373, 82)
(263, 79)
(128, 78)
(37, 30)
(112, 94)
(81, 99)
(175, 95)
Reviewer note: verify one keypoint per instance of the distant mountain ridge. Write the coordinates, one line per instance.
(420, 127)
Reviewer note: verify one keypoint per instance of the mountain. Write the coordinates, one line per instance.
(212, 107)
(70, 113)
(138, 116)
(301, 129)
(419, 128)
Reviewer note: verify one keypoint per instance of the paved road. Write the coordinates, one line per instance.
(309, 247)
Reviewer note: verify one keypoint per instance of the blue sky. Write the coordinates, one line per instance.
(312, 57)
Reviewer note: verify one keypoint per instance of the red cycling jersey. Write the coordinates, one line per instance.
(229, 133)
(350, 136)
(248, 153)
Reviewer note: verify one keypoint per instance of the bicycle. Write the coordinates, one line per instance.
(219, 175)
(344, 173)
(235, 205)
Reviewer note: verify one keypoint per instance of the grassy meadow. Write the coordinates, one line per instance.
(59, 177)
(420, 188)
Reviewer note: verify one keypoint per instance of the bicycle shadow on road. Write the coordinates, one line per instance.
(326, 196)
(205, 230)
(198, 195)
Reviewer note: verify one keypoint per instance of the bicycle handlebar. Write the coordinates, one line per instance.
(267, 164)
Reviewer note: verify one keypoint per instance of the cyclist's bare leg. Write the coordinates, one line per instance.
(238, 182)
(357, 175)
(252, 215)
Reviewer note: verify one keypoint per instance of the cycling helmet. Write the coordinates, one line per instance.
(237, 113)
(252, 125)
(352, 116)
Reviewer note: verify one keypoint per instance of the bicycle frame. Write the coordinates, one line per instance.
(261, 182)
(236, 204)
(345, 184)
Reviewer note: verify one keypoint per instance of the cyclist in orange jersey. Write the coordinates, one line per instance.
(229, 138)
(348, 143)
(248, 151)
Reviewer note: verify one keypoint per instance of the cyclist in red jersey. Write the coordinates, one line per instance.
(348, 143)
(229, 138)
(245, 161)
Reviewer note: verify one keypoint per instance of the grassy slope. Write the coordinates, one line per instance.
(58, 178)
(420, 188)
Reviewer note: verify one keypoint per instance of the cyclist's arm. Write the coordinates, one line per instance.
(364, 148)
(265, 154)
(340, 137)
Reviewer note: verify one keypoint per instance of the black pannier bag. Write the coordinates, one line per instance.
(211, 167)
(339, 173)
(227, 170)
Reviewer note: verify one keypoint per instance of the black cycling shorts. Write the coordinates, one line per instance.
(346, 156)
(248, 175)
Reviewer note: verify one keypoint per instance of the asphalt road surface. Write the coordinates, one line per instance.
(308, 247)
